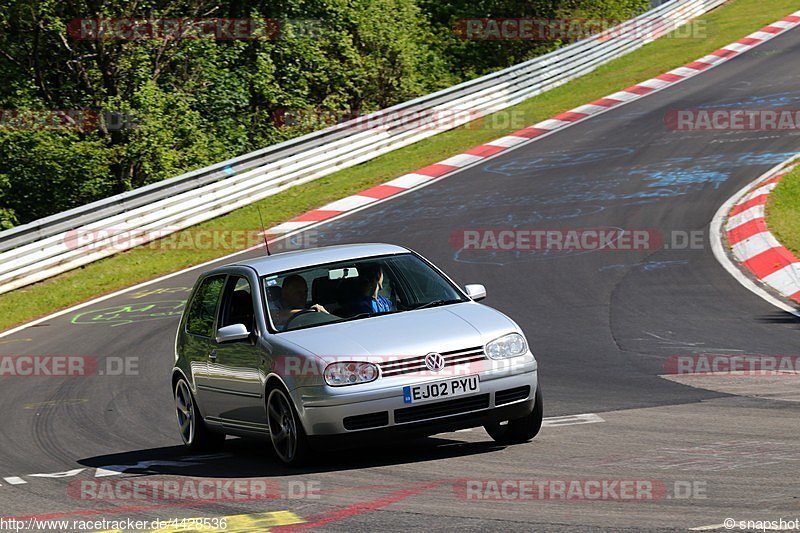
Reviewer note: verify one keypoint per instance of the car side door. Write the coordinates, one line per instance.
(234, 368)
(199, 330)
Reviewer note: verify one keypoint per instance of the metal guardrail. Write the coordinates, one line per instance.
(48, 246)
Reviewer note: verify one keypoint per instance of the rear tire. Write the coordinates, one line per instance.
(191, 426)
(519, 430)
(286, 432)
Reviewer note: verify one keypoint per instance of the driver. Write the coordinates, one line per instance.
(294, 295)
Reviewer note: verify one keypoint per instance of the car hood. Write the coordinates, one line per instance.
(438, 329)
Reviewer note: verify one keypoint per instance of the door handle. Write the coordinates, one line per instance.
(213, 355)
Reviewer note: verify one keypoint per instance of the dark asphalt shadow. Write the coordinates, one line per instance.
(243, 458)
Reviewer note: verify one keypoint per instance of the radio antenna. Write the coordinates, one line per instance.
(263, 231)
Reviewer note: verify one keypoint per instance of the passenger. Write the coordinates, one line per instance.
(294, 296)
(370, 281)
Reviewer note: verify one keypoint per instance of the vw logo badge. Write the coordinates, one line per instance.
(434, 361)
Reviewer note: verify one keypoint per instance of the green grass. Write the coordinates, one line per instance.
(783, 211)
(725, 25)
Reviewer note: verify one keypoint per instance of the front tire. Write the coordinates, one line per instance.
(191, 426)
(519, 430)
(285, 430)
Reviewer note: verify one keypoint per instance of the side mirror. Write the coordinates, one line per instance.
(234, 332)
(475, 291)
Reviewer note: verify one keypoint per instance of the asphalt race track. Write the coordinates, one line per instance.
(603, 325)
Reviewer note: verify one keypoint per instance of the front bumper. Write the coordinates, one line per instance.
(358, 412)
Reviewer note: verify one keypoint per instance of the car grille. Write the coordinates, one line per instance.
(371, 420)
(503, 397)
(439, 409)
(417, 363)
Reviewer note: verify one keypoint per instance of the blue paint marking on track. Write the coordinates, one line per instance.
(648, 266)
(519, 167)
(758, 102)
(612, 187)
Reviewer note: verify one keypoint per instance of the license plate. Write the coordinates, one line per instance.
(439, 390)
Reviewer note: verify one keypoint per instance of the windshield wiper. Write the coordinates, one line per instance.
(359, 315)
(354, 317)
(366, 315)
(437, 303)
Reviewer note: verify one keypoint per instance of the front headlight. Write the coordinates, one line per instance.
(350, 373)
(511, 345)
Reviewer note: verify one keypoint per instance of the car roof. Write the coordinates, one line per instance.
(284, 261)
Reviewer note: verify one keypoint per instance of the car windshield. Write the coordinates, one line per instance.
(356, 289)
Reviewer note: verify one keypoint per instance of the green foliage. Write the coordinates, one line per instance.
(45, 172)
(470, 58)
(187, 103)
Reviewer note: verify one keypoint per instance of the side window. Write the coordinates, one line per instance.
(200, 317)
(237, 307)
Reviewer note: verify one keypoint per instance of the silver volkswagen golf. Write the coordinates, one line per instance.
(330, 347)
